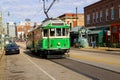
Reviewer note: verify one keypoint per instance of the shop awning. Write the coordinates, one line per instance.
(95, 32)
(75, 29)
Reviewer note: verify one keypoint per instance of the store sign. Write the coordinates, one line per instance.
(108, 32)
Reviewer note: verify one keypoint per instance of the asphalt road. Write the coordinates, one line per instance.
(91, 71)
(106, 61)
(80, 66)
(26, 66)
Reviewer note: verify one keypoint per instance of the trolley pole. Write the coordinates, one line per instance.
(46, 10)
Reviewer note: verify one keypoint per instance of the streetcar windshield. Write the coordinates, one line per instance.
(52, 32)
(58, 32)
(62, 32)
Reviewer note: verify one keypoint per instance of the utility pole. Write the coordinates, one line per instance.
(76, 17)
(46, 10)
(0, 22)
(1, 29)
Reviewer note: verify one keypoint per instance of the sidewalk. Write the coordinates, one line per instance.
(2, 66)
(108, 50)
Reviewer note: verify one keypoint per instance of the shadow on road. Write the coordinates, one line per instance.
(32, 54)
(37, 55)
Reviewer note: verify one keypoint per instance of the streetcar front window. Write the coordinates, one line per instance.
(58, 32)
(62, 32)
(52, 32)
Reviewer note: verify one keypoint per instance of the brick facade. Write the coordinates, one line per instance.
(102, 13)
(23, 29)
(71, 20)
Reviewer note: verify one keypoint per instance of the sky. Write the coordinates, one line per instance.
(19, 10)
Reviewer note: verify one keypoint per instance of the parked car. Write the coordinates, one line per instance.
(12, 48)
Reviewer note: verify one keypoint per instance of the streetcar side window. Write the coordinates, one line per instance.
(63, 31)
(58, 32)
(67, 32)
(45, 31)
(52, 32)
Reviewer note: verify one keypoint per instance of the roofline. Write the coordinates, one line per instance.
(71, 14)
(94, 3)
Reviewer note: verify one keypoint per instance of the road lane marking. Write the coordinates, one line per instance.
(40, 68)
(1, 54)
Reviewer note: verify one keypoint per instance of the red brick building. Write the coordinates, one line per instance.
(72, 19)
(101, 15)
(103, 12)
(23, 29)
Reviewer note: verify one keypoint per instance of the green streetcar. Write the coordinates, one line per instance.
(51, 38)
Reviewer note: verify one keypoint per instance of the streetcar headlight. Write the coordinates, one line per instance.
(58, 43)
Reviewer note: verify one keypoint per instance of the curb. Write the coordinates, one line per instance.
(100, 50)
(105, 52)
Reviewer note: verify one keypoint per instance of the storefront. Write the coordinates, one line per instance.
(115, 34)
(96, 37)
(74, 35)
(79, 37)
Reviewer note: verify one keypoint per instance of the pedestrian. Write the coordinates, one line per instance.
(93, 44)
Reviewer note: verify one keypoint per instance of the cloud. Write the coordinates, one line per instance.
(22, 9)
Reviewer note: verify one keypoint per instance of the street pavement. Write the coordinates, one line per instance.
(105, 50)
(25, 66)
(101, 60)
(2, 65)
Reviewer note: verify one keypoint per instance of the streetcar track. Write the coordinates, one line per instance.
(1, 55)
(99, 67)
(85, 73)
(75, 70)
(84, 70)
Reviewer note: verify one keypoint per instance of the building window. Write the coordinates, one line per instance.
(70, 26)
(106, 14)
(119, 11)
(68, 22)
(100, 16)
(88, 19)
(93, 17)
(96, 16)
(112, 13)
